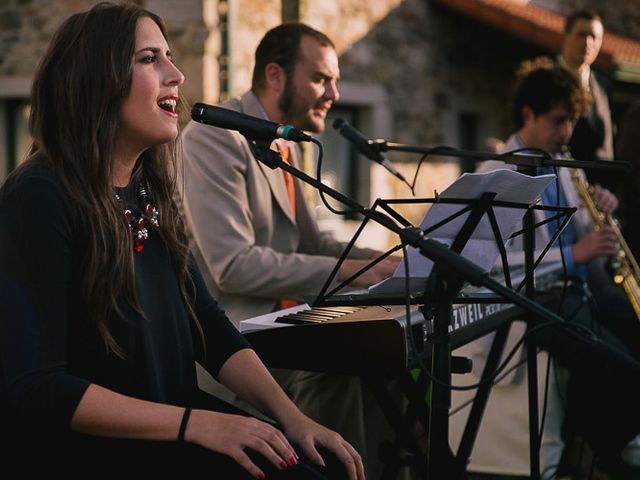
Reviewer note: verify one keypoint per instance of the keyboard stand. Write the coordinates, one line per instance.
(442, 288)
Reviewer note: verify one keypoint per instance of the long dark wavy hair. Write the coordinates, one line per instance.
(77, 93)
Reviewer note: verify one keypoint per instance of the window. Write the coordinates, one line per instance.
(365, 107)
(468, 138)
(342, 168)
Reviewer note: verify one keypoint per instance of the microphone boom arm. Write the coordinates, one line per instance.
(519, 159)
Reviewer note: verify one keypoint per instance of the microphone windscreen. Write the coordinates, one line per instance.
(338, 123)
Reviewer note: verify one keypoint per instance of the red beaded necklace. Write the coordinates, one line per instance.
(148, 217)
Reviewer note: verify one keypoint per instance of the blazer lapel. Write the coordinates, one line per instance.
(274, 177)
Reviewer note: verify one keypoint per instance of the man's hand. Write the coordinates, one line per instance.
(376, 274)
(600, 242)
(604, 199)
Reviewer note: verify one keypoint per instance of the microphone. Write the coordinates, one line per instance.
(363, 146)
(251, 127)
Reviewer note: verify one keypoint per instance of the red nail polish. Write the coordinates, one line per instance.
(261, 476)
(283, 464)
(293, 460)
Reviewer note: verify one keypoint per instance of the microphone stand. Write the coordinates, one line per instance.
(451, 267)
(519, 159)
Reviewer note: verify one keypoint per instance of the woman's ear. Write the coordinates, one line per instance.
(275, 77)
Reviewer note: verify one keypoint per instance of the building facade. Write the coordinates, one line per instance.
(414, 72)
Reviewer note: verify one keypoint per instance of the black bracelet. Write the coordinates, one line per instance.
(183, 424)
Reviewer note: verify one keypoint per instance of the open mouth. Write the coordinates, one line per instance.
(168, 105)
(320, 111)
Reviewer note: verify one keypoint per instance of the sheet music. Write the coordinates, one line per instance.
(509, 185)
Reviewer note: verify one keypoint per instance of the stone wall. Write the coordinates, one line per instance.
(26, 26)
(422, 36)
(344, 21)
(432, 64)
(619, 16)
(188, 36)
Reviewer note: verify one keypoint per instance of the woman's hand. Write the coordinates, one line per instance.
(245, 374)
(309, 435)
(231, 434)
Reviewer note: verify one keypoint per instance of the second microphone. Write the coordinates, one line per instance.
(363, 146)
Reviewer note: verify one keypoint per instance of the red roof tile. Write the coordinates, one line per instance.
(543, 28)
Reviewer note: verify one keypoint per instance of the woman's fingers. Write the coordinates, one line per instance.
(357, 461)
(233, 434)
(245, 462)
(274, 446)
(349, 458)
(342, 449)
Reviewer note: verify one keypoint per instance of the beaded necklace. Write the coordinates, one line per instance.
(140, 217)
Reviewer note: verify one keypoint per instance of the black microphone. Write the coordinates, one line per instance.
(251, 127)
(364, 147)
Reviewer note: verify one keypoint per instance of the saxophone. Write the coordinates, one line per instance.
(625, 270)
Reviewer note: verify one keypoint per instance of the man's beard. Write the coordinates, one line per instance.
(294, 112)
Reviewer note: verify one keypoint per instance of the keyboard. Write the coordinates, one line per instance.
(355, 339)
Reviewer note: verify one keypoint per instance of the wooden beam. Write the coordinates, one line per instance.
(292, 10)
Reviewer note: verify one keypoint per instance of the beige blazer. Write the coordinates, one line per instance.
(250, 249)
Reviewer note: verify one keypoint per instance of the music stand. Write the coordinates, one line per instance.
(444, 221)
(475, 209)
(451, 268)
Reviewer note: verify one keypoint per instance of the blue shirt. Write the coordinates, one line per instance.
(568, 236)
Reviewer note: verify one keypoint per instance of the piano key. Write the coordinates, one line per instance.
(337, 311)
(302, 318)
(293, 319)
